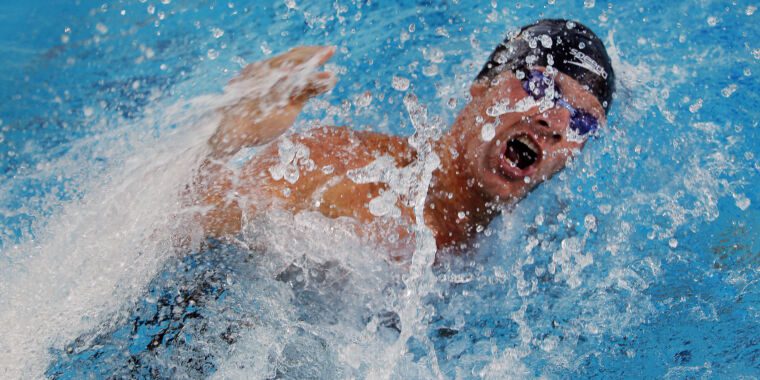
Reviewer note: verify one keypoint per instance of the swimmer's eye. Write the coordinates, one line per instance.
(583, 122)
(538, 85)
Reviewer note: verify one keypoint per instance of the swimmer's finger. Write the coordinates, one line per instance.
(303, 54)
(293, 58)
(325, 54)
(249, 71)
(299, 55)
(317, 83)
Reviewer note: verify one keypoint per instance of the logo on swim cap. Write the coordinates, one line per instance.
(557, 43)
(587, 63)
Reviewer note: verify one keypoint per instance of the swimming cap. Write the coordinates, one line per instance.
(568, 46)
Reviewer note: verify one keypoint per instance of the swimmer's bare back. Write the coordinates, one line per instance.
(333, 151)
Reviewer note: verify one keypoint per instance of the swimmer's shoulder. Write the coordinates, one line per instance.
(330, 152)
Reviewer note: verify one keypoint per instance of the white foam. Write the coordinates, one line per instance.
(280, 340)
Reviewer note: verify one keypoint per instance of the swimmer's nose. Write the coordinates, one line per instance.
(553, 122)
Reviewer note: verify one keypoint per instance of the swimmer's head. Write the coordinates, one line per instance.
(568, 46)
(541, 95)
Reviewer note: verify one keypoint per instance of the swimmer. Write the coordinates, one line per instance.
(540, 96)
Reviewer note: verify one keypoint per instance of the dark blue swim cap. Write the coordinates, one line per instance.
(568, 46)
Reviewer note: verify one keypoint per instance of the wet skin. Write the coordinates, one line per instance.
(476, 178)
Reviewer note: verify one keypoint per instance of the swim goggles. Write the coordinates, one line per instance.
(538, 85)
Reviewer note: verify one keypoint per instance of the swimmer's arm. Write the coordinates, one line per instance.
(261, 114)
(275, 92)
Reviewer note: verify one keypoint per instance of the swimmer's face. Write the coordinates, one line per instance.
(531, 140)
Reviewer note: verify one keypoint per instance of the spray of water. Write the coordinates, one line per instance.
(419, 281)
(95, 254)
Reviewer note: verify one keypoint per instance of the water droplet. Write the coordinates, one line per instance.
(742, 202)
(291, 4)
(590, 222)
(216, 32)
(750, 10)
(673, 243)
(589, 3)
(292, 173)
(363, 100)
(756, 53)
(400, 83)
(441, 31)
(712, 21)
(696, 106)
(212, 54)
(88, 111)
(277, 172)
(493, 16)
(286, 151)
(384, 205)
(546, 41)
(434, 55)
(488, 132)
(101, 28)
(265, 48)
(728, 91)
(461, 215)
(430, 71)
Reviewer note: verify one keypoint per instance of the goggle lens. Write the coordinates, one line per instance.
(538, 85)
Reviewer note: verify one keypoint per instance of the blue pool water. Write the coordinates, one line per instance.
(641, 260)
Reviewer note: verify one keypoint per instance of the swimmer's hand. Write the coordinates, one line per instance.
(273, 93)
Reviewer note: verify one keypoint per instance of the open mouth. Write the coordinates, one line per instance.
(521, 155)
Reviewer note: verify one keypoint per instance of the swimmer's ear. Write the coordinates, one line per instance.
(479, 87)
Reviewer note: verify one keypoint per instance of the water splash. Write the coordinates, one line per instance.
(97, 252)
(419, 281)
(94, 255)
